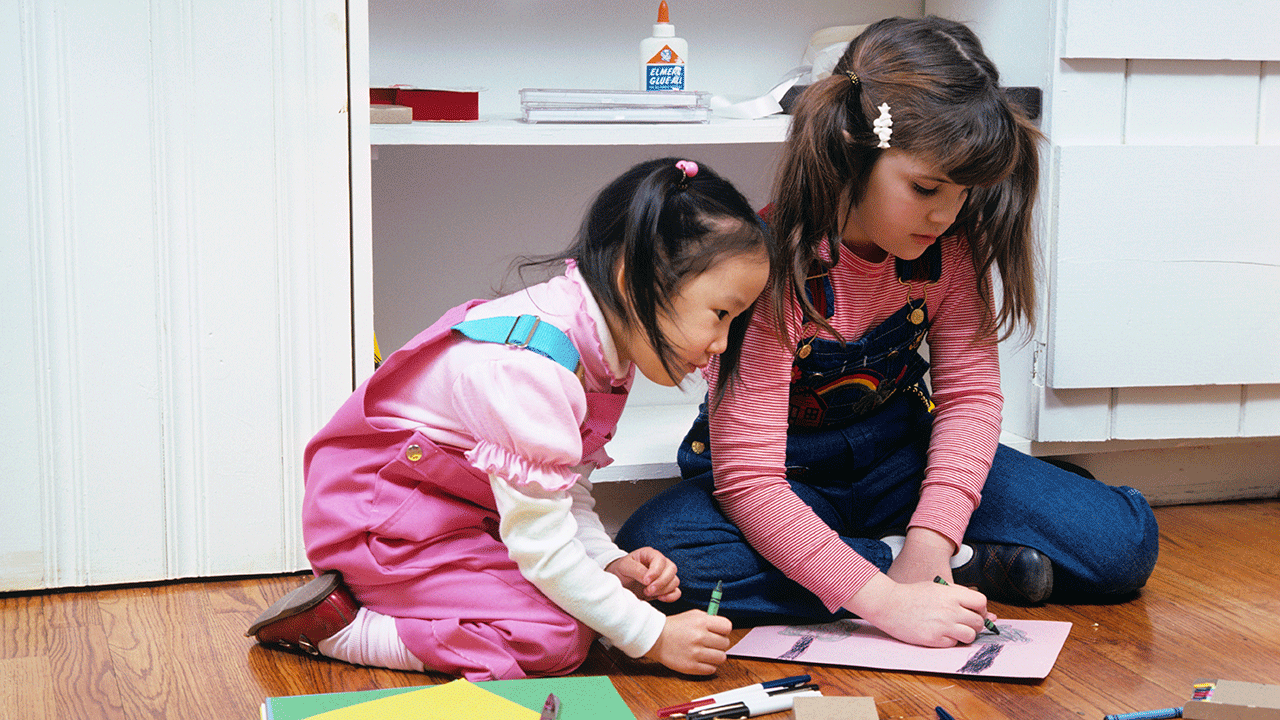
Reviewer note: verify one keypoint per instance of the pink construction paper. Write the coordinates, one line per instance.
(1023, 649)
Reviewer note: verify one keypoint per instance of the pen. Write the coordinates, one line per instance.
(732, 695)
(943, 714)
(765, 686)
(986, 622)
(713, 607)
(772, 701)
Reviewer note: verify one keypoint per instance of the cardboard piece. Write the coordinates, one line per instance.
(390, 114)
(836, 708)
(1234, 700)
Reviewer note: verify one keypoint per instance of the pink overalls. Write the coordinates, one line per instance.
(413, 529)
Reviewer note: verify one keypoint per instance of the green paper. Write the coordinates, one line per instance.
(581, 698)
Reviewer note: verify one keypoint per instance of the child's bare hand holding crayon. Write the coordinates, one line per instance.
(693, 642)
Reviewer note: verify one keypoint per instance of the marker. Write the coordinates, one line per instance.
(986, 622)
(765, 686)
(713, 607)
(757, 703)
(943, 714)
(729, 696)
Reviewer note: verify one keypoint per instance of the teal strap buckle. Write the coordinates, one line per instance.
(526, 332)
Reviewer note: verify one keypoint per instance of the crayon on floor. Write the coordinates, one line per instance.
(1165, 714)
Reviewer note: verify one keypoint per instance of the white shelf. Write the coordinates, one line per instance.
(509, 131)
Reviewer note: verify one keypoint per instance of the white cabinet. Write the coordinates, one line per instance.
(1157, 353)
(1159, 231)
(1159, 283)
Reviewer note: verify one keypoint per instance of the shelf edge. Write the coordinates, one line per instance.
(504, 131)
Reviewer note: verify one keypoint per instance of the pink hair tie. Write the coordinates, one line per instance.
(689, 168)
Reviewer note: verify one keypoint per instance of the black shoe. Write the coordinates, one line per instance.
(1007, 573)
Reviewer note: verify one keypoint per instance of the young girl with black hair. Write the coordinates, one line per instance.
(448, 514)
(828, 480)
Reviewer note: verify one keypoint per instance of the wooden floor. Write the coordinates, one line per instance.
(1212, 610)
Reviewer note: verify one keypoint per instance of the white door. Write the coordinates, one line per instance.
(174, 282)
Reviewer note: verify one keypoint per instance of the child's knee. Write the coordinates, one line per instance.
(1146, 544)
(1131, 548)
(1147, 550)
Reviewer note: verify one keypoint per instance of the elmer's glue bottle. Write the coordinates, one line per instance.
(663, 56)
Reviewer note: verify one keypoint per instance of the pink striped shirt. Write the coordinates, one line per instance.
(749, 428)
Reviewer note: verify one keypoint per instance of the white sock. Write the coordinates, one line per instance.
(896, 543)
(371, 639)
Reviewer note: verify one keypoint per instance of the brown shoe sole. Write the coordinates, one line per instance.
(297, 601)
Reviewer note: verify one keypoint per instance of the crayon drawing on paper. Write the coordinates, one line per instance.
(1023, 649)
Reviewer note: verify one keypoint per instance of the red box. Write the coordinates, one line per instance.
(382, 96)
(433, 105)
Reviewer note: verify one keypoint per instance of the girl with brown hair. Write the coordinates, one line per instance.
(829, 479)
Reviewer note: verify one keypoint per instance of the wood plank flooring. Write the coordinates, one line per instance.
(1212, 610)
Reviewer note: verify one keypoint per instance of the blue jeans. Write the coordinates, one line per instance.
(864, 482)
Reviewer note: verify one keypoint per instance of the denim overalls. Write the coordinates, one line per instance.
(852, 407)
(860, 421)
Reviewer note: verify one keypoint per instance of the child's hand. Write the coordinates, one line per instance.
(922, 613)
(649, 574)
(692, 642)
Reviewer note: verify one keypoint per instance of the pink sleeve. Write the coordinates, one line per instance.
(749, 441)
(965, 380)
(524, 413)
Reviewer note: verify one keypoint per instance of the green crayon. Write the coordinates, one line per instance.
(713, 607)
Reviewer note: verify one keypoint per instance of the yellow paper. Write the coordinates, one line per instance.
(457, 700)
